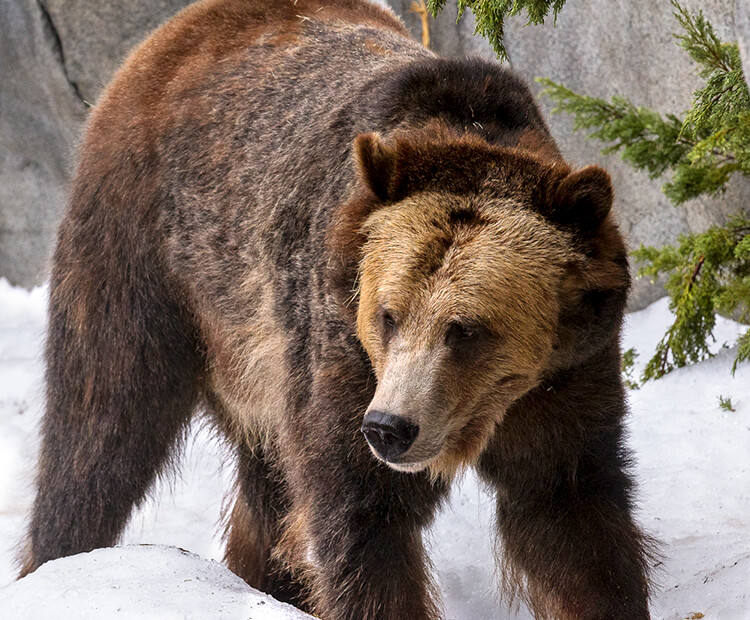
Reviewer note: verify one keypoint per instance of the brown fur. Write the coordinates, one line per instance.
(286, 214)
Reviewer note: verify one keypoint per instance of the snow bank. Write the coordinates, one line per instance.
(693, 471)
(138, 582)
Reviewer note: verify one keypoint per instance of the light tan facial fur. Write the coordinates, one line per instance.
(458, 307)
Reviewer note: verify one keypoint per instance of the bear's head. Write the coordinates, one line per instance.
(478, 270)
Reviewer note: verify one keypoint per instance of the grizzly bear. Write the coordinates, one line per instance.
(370, 268)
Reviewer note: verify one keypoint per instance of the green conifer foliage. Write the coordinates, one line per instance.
(490, 15)
(702, 150)
(707, 272)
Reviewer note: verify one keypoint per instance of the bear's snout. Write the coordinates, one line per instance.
(388, 435)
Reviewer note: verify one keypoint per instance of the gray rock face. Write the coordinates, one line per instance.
(39, 118)
(742, 28)
(446, 35)
(54, 54)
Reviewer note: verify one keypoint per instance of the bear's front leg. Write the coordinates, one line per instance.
(360, 534)
(367, 566)
(570, 545)
(355, 527)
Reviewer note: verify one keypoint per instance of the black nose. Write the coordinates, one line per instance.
(389, 435)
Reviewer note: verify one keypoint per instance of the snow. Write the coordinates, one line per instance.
(693, 469)
(139, 581)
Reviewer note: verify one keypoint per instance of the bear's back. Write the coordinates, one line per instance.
(213, 40)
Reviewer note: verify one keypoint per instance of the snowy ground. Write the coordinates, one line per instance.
(693, 469)
(139, 582)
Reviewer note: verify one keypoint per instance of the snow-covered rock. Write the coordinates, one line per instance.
(138, 582)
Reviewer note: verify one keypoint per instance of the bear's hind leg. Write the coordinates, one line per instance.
(123, 375)
(255, 526)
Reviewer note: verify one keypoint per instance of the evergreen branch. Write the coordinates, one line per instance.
(490, 16)
(706, 148)
(664, 357)
(665, 345)
(721, 107)
(696, 271)
(743, 350)
(717, 153)
(708, 272)
(645, 139)
(700, 40)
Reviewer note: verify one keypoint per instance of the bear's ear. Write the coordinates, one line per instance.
(377, 164)
(582, 199)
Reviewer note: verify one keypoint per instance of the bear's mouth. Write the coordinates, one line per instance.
(410, 468)
(413, 461)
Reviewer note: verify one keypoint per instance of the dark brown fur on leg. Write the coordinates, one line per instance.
(123, 375)
(564, 499)
(368, 561)
(254, 528)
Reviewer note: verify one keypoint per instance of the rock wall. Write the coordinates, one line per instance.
(40, 116)
(56, 55)
(742, 30)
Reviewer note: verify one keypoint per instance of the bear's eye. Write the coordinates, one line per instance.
(388, 323)
(461, 334)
